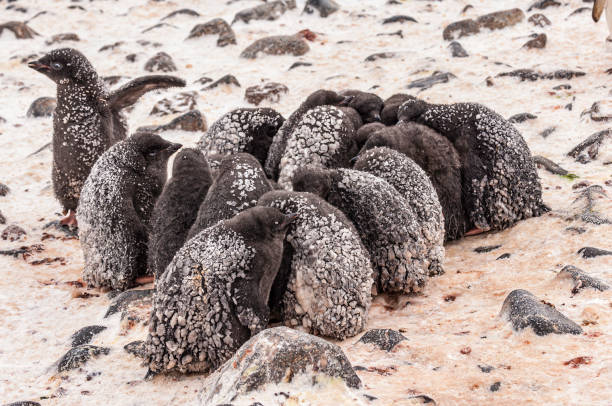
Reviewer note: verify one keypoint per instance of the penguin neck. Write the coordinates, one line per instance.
(73, 93)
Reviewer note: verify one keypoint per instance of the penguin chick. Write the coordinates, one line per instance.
(368, 105)
(413, 185)
(327, 291)
(239, 183)
(87, 119)
(500, 183)
(113, 236)
(386, 224)
(388, 114)
(177, 208)
(279, 142)
(248, 130)
(213, 296)
(437, 156)
(324, 137)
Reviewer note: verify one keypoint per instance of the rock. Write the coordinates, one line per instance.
(136, 348)
(2, 218)
(23, 403)
(530, 74)
(539, 20)
(298, 64)
(398, 33)
(124, 299)
(78, 356)
(380, 55)
(495, 387)
(325, 7)
(84, 335)
(549, 165)
(591, 252)
(588, 149)
(399, 19)
(486, 248)
(160, 62)
(270, 91)
(4, 190)
(538, 42)
(276, 45)
(600, 111)
(69, 36)
(385, 339)
(522, 117)
(42, 107)
(503, 256)
(268, 11)
(547, 131)
(581, 279)
(460, 29)
(501, 19)
(434, 79)
(20, 29)
(279, 355)
(179, 103)
(191, 121)
(203, 80)
(111, 46)
(183, 11)
(225, 80)
(523, 309)
(159, 25)
(542, 4)
(13, 233)
(113, 80)
(578, 11)
(457, 51)
(213, 27)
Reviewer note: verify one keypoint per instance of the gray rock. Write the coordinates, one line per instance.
(522, 117)
(84, 335)
(588, 149)
(4, 190)
(457, 51)
(276, 45)
(325, 7)
(385, 339)
(191, 121)
(381, 55)
(23, 403)
(549, 165)
(539, 20)
(268, 11)
(531, 75)
(581, 279)
(399, 19)
(434, 79)
(538, 42)
(136, 348)
(270, 91)
(69, 36)
(20, 29)
(542, 4)
(160, 62)
(486, 248)
(460, 29)
(78, 356)
(278, 355)
(123, 300)
(493, 21)
(547, 131)
(42, 107)
(179, 103)
(225, 80)
(523, 309)
(213, 27)
(592, 252)
(2, 218)
(13, 233)
(183, 11)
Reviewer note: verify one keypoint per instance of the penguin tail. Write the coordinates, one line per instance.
(129, 93)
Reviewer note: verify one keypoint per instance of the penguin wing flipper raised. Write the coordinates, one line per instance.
(129, 93)
(598, 8)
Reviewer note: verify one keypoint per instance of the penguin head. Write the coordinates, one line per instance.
(313, 179)
(411, 109)
(188, 161)
(65, 64)
(325, 98)
(153, 148)
(368, 105)
(261, 223)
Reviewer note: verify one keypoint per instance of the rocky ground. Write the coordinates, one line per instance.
(544, 64)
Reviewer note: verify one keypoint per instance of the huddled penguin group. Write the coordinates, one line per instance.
(298, 221)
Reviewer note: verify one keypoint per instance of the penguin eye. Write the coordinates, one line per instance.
(152, 154)
(57, 66)
(185, 157)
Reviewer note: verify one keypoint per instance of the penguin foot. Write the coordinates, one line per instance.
(70, 220)
(143, 280)
(475, 231)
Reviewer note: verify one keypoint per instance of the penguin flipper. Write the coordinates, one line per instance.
(129, 93)
(598, 8)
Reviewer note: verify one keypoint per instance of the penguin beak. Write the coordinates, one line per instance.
(37, 66)
(354, 159)
(289, 218)
(377, 118)
(346, 101)
(174, 147)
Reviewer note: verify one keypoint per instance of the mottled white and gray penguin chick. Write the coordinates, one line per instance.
(327, 291)
(387, 225)
(325, 137)
(239, 182)
(112, 234)
(214, 294)
(500, 181)
(248, 130)
(177, 207)
(414, 185)
(88, 118)
(279, 143)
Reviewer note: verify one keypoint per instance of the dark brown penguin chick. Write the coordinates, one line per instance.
(365, 131)
(500, 184)
(112, 234)
(238, 184)
(437, 156)
(279, 143)
(177, 208)
(388, 115)
(88, 118)
(214, 294)
(368, 105)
